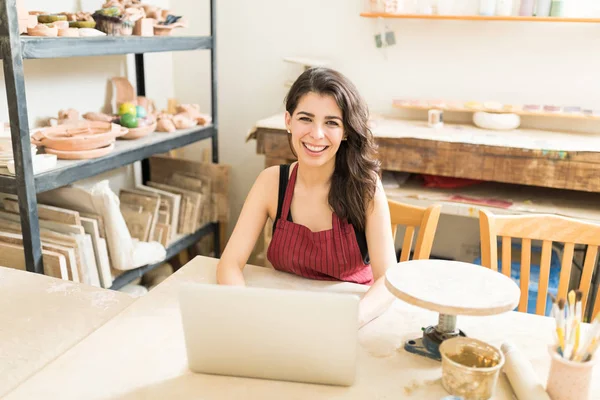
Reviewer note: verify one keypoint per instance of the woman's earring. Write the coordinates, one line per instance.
(289, 131)
(345, 138)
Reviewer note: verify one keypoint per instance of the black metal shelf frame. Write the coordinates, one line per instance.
(14, 48)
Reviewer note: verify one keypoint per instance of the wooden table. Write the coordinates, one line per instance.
(140, 353)
(42, 317)
(542, 158)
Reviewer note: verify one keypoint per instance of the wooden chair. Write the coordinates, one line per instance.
(548, 229)
(426, 219)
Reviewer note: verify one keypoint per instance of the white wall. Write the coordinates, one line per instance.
(82, 83)
(544, 63)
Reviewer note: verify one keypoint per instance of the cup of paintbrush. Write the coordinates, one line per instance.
(569, 380)
(572, 358)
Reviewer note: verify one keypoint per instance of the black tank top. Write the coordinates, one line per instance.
(284, 174)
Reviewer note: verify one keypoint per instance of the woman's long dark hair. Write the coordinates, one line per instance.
(356, 167)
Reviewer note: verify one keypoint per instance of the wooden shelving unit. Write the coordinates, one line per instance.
(514, 18)
(15, 48)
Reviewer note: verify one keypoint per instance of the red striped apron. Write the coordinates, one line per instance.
(326, 255)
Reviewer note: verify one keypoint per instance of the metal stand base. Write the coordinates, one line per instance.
(429, 345)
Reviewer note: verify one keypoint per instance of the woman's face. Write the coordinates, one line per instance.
(316, 129)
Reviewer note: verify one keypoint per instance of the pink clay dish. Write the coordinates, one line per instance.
(86, 135)
(81, 154)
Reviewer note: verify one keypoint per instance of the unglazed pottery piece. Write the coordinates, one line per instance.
(60, 25)
(81, 154)
(42, 30)
(68, 32)
(97, 116)
(86, 135)
(136, 133)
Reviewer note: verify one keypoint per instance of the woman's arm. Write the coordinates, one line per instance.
(249, 225)
(382, 255)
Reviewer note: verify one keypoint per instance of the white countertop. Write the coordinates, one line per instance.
(140, 353)
(42, 317)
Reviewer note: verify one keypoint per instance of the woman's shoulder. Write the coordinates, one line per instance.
(269, 177)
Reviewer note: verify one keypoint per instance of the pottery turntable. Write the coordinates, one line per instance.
(450, 288)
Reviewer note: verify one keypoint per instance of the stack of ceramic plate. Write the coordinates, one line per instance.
(6, 151)
(80, 140)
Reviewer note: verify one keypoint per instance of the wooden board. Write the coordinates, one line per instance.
(162, 170)
(45, 212)
(208, 209)
(174, 201)
(162, 234)
(99, 220)
(13, 256)
(67, 252)
(102, 264)
(190, 209)
(452, 287)
(187, 182)
(572, 170)
(164, 218)
(52, 225)
(150, 203)
(79, 273)
(138, 223)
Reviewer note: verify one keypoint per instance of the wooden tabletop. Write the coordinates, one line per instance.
(42, 317)
(140, 353)
(562, 160)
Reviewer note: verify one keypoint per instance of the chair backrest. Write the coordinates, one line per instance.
(426, 219)
(548, 229)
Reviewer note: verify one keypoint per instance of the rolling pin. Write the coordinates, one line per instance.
(522, 377)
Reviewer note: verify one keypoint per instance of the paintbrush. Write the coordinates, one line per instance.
(570, 325)
(560, 326)
(592, 349)
(590, 344)
(554, 313)
(577, 323)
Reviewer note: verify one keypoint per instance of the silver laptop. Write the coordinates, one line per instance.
(270, 333)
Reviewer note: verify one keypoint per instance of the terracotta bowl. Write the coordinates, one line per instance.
(137, 133)
(84, 135)
(81, 154)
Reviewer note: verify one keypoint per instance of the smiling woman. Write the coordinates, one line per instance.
(341, 227)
